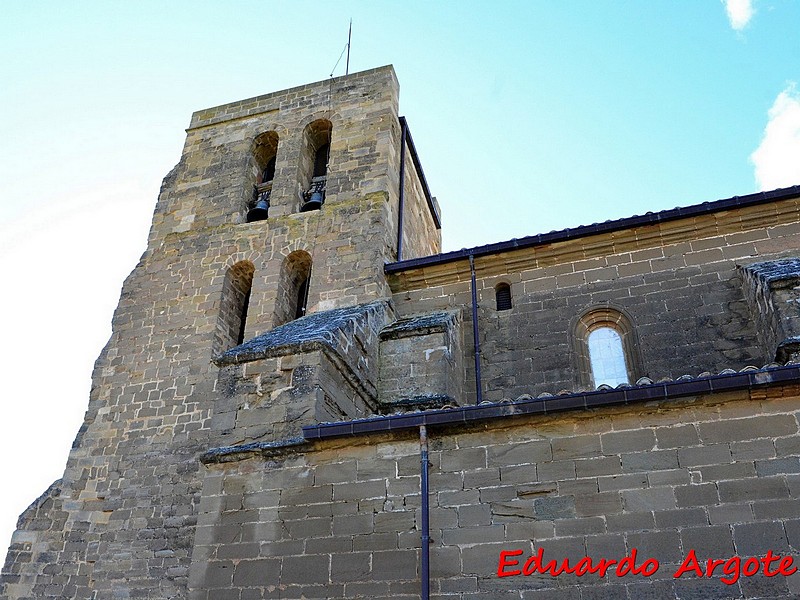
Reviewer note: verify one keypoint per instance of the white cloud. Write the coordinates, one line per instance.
(777, 158)
(739, 12)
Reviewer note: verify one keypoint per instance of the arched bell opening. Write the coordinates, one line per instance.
(233, 307)
(262, 174)
(314, 163)
(293, 286)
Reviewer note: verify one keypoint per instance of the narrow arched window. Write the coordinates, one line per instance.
(293, 287)
(234, 305)
(502, 294)
(606, 348)
(607, 357)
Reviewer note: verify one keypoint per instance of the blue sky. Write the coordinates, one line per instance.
(528, 116)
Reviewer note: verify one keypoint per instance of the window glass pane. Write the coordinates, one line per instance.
(607, 357)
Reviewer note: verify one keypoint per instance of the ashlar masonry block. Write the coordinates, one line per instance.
(421, 362)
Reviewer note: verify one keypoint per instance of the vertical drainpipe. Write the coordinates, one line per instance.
(425, 575)
(477, 341)
(401, 204)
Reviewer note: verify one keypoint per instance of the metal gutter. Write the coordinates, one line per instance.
(750, 379)
(425, 539)
(597, 228)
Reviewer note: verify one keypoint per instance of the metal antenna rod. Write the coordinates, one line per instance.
(347, 64)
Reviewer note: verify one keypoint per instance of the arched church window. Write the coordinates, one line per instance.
(502, 295)
(234, 305)
(607, 357)
(606, 348)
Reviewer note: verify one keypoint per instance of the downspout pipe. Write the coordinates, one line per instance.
(425, 570)
(402, 191)
(475, 337)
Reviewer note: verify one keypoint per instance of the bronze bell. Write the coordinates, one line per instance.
(314, 203)
(258, 212)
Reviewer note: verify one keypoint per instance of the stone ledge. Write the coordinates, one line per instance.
(772, 272)
(418, 325)
(308, 333)
(244, 451)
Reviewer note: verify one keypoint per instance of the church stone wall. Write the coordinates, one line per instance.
(715, 475)
(678, 282)
(420, 235)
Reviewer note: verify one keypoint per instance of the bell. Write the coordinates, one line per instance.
(314, 203)
(258, 212)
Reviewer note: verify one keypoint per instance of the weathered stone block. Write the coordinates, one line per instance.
(262, 572)
(649, 499)
(664, 546)
(554, 508)
(604, 465)
(766, 426)
(729, 513)
(762, 488)
(420, 361)
(756, 539)
(394, 565)
(584, 526)
(682, 517)
(583, 446)
(708, 542)
(655, 460)
(704, 455)
(619, 442)
(696, 495)
(353, 566)
(304, 569)
(605, 503)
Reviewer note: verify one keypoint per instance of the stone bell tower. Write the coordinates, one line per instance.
(283, 206)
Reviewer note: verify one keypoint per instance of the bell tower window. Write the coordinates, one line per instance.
(234, 305)
(314, 164)
(262, 171)
(293, 287)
